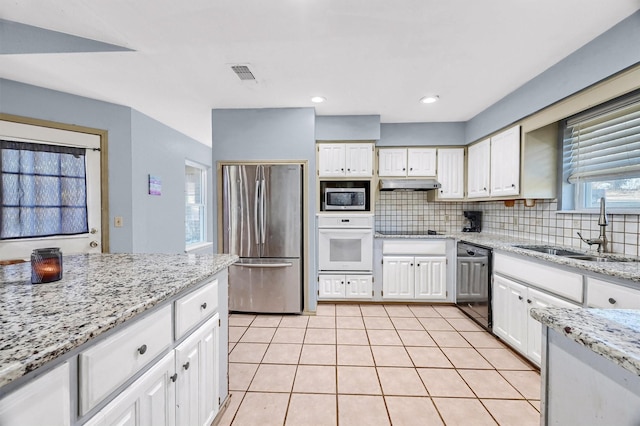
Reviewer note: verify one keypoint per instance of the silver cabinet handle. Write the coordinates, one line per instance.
(142, 349)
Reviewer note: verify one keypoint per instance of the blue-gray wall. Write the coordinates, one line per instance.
(347, 127)
(407, 134)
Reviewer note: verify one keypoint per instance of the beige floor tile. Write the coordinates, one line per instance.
(504, 359)
(235, 398)
(358, 410)
(267, 321)
(258, 335)
(449, 312)
(273, 378)
(350, 322)
(444, 382)
(466, 358)
(289, 335)
(355, 355)
(326, 309)
(321, 322)
(482, 339)
(391, 356)
(428, 357)
(406, 323)
(264, 409)
(348, 311)
(352, 337)
(489, 384)
(312, 410)
(412, 411)
(320, 336)
(399, 311)
(318, 354)
(240, 375)
(464, 324)
(358, 380)
(449, 339)
(460, 411)
(526, 382)
(241, 320)
(373, 311)
(378, 323)
(436, 324)
(416, 338)
(248, 352)
(535, 404)
(282, 353)
(235, 333)
(401, 382)
(424, 312)
(384, 338)
(294, 321)
(512, 412)
(315, 379)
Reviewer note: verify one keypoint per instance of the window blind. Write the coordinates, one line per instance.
(604, 143)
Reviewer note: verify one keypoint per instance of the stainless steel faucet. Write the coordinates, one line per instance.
(601, 241)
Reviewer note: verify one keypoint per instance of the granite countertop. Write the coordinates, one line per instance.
(41, 322)
(612, 333)
(624, 270)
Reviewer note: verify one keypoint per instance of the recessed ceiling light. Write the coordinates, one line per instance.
(318, 99)
(430, 99)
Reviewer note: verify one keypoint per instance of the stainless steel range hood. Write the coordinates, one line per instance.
(408, 184)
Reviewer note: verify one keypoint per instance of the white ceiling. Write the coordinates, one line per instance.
(364, 56)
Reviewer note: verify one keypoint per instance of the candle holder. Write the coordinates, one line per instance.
(46, 265)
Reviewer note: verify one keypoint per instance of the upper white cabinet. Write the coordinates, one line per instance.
(451, 173)
(406, 162)
(478, 169)
(345, 159)
(505, 163)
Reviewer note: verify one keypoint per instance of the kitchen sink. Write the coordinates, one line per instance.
(551, 250)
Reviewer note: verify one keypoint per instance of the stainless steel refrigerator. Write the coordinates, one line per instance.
(262, 223)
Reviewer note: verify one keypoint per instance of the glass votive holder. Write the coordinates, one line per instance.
(46, 265)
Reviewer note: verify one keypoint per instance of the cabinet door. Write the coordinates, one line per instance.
(478, 169)
(509, 312)
(331, 159)
(359, 286)
(392, 162)
(421, 162)
(505, 163)
(331, 286)
(451, 173)
(359, 160)
(398, 277)
(209, 371)
(431, 278)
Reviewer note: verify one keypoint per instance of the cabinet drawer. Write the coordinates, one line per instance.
(414, 247)
(602, 294)
(108, 364)
(563, 283)
(195, 307)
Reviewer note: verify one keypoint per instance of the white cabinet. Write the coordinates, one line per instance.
(398, 277)
(451, 173)
(478, 169)
(603, 294)
(44, 401)
(509, 312)
(345, 159)
(403, 162)
(194, 307)
(505, 163)
(431, 278)
(338, 286)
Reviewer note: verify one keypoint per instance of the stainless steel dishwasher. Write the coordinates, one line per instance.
(473, 282)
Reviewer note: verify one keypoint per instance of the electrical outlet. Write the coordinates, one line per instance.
(117, 221)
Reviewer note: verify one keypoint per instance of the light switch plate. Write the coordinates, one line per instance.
(117, 221)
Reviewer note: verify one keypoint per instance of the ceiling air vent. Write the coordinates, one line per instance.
(243, 72)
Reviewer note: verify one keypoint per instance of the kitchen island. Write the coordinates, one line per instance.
(99, 298)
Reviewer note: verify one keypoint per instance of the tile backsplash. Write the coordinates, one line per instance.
(410, 211)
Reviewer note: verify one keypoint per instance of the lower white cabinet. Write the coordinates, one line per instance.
(44, 401)
(604, 295)
(339, 286)
(414, 277)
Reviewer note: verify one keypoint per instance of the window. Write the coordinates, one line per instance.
(195, 204)
(601, 156)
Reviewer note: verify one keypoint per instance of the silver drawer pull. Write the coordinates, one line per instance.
(142, 349)
(612, 300)
(186, 365)
(264, 265)
(204, 305)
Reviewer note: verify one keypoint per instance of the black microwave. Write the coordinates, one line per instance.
(345, 199)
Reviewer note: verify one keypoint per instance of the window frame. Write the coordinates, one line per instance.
(204, 170)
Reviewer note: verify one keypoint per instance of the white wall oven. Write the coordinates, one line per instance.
(345, 243)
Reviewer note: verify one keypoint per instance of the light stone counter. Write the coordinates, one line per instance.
(41, 322)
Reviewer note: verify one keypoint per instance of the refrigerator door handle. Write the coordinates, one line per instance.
(256, 203)
(265, 265)
(263, 208)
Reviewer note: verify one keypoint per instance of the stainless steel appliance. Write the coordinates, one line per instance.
(473, 282)
(262, 220)
(344, 199)
(345, 243)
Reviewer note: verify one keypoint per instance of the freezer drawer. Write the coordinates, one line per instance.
(265, 285)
